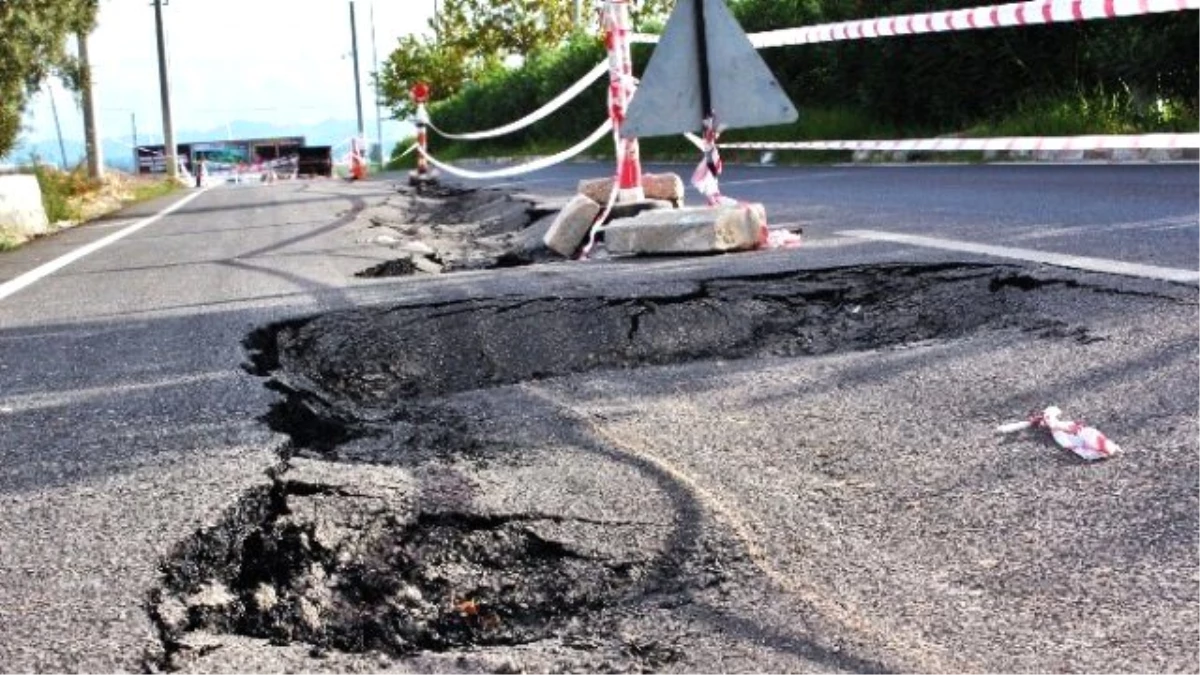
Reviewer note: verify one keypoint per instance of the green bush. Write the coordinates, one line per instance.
(1134, 75)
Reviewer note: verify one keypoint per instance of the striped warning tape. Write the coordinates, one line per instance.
(530, 167)
(996, 16)
(1013, 143)
(551, 106)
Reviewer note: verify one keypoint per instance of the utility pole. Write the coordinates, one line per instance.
(172, 155)
(62, 149)
(357, 82)
(378, 114)
(95, 152)
(137, 156)
(578, 16)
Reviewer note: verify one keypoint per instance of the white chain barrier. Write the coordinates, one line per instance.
(996, 16)
(541, 113)
(1012, 143)
(528, 167)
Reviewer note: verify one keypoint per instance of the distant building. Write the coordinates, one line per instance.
(150, 158)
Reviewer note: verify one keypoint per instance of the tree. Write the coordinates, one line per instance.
(473, 36)
(32, 48)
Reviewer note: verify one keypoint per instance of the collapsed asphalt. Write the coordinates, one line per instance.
(451, 229)
(438, 503)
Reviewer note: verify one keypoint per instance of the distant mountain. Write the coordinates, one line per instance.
(118, 152)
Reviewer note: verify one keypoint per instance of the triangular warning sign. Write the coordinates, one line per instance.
(743, 90)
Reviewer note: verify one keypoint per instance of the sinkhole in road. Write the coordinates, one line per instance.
(370, 372)
(345, 569)
(347, 560)
(445, 229)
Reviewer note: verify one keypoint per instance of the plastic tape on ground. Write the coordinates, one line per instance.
(539, 114)
(995, 16)
(530, 167)
(1014, 143)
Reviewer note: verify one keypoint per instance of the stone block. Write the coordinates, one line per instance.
(571, 226)
(630, 209)
(691, 230)
(21, 210)
(656, 186)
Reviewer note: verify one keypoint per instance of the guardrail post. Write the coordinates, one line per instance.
(620, 91)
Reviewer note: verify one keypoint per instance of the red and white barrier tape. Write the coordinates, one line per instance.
(1086, 441)
(541, 113)
(1017, 143)
(528, 167)
(995, 16)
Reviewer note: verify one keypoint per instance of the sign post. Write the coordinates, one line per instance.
(620, 91)
(420, 95)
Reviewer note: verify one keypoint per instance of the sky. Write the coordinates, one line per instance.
(280, 61)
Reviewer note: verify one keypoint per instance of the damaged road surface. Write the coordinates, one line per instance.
(793, 471)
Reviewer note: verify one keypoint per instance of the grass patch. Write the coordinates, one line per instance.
(8, 240)
(61, 190)
(1098, 112)
(145, 190)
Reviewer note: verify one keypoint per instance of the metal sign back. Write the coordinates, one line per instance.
(744, 92)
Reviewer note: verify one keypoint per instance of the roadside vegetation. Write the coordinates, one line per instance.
(71, 198)
(1124, 76)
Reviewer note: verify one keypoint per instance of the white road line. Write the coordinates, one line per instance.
(1030, 255)
(38, 273)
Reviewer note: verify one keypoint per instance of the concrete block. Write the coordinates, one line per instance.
(659, 186)
(691, 230)
(665, 186)
(631, 209)
(1126, 155)
(424, 264)
(571, 226)
(1159, 155)
(21, 210)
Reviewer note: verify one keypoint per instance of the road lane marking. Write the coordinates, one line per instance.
(1031, 255)
(38, 273)
(41, 400)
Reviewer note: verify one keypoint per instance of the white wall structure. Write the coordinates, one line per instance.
(21, 210)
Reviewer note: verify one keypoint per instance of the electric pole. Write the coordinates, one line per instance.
(137, 156)
(62, 149)
(357, 82)
(378, 115)
(172, 155)
(95, 152)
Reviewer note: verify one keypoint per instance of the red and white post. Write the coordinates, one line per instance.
(420, 95)
(620, 91)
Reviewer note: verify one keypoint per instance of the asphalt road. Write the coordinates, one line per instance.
(127, 422)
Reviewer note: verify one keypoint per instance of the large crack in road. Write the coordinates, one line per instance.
(381, 372)
(402, 520)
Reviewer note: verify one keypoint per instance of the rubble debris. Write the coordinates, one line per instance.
(656, 186)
